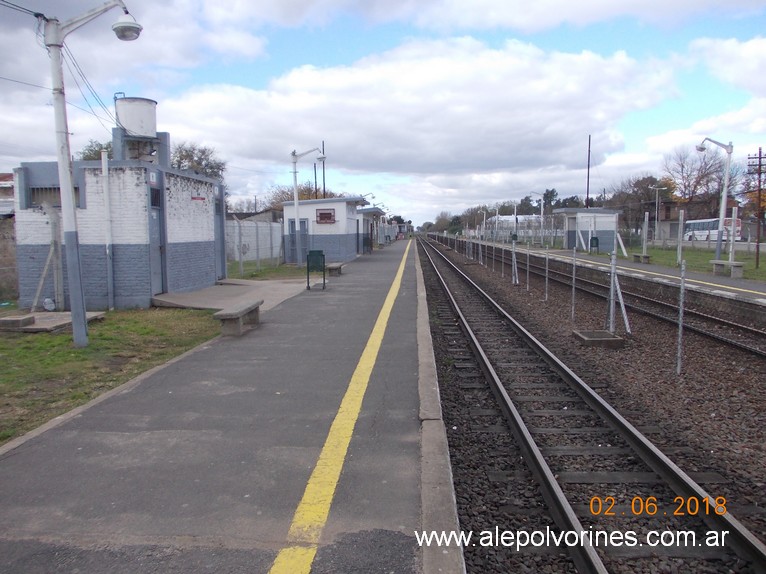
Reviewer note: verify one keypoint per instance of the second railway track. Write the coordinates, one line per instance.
(702, 315)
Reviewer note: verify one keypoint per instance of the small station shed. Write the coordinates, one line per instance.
(144, 228)
(375, 228)
(332, 225)
(590, 228)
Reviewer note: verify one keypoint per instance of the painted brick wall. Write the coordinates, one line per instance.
(337, 248)
(189, 209)
(8, 277)
(132, 281)
(128, 208)
(190, 234)
(191, 265)
(260, 240)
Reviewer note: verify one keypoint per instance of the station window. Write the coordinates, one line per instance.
(325, 216)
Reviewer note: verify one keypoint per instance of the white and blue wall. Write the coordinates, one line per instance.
(332, 225)
(166, 229)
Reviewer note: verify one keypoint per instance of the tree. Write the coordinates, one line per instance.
(456, 225)
(197, 158)
(92, 151)
(442, 222)
(526, 206)
(549, 198)
(695, 178)
(638, 195)
(279, 194)
(572, 201)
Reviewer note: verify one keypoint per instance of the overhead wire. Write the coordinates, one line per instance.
(72, 63)
(18, 8)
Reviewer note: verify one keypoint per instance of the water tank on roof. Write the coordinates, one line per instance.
(138, 116)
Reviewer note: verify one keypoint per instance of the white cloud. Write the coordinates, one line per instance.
(526, 16)
(735, 62)
(433, 124)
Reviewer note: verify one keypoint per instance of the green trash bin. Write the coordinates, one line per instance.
(594, 244)
(315, 262)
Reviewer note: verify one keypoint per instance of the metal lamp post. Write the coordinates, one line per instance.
(542, 205)
(296, 156)
(722, 211)
(127, 29)
(657, 209)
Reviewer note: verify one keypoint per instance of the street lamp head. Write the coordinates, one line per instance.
(701, 148)
(321, 157)
(126, 28)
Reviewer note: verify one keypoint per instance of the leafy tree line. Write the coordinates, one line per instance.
(693, 181)
(475, 216)
(200, 159)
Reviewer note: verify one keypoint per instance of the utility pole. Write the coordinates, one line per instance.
(755, 166)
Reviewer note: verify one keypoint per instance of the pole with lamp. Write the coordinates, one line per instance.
(322, 159)
(722, 211)
(481, 236)
(657, 209)
(295, 157)
(126, 29)
(542, 205)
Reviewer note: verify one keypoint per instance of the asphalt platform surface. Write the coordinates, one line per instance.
(200, 465)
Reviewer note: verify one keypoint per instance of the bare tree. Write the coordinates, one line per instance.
(698, 179)
(280, 194)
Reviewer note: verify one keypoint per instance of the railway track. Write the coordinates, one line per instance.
(646, 299)
(585, 468)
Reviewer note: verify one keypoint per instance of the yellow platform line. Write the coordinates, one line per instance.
(314, 508)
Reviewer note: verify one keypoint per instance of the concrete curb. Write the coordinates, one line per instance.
(438, 505)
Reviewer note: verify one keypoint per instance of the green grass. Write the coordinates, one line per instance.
(251, 271)
(42, 375)
(698, 260)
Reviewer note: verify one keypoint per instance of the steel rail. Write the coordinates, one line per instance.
(560, 277)
(564, 279)
(744, 542)
(584, 556)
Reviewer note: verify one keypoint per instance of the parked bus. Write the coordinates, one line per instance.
(707, 229)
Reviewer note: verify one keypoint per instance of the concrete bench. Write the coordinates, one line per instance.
(238, 318)
(727, 268)
(335, 269)
(641, 258)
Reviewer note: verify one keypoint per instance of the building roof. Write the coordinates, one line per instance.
(356, 199)
(371, 211)
(591, 210)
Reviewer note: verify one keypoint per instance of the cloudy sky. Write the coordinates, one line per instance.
(431, 105)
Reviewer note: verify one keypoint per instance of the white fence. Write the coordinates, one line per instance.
(253, 241)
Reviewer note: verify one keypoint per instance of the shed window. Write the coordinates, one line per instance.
(52, 195)
(155, 197)
(325, 216)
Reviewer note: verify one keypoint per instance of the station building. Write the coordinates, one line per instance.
(144, 228)
(334, 226)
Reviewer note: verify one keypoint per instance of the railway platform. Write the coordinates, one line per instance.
(735, 288)
(728, 287)
(313, 443)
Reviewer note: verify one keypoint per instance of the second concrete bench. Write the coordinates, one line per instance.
(238, 318)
